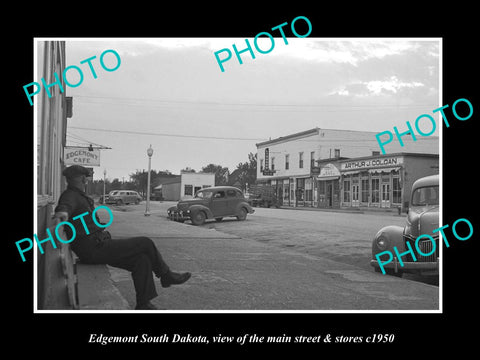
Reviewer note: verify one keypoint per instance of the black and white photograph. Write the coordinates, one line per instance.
(244, 183)
(270, 189)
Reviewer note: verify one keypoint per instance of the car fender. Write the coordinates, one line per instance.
(195, 208)
(393, 237)
(245, 205)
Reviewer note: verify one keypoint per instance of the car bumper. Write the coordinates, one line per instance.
(417, 266)
(178, 215)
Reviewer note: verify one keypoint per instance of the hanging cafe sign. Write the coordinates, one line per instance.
(81, 156)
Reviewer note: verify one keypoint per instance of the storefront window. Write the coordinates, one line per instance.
(376, 190)
(285, 189)
(397, 191)
(321, 187)
(365, 190)
(300, 189)
(188, 190)
(308, 190)
(346, 190)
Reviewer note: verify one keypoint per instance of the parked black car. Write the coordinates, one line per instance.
(212, 203)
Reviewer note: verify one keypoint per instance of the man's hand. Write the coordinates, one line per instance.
(61, 216)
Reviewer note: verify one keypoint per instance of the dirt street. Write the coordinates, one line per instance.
(277, 259)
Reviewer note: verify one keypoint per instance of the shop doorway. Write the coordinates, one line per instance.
(280, 194)
(385, 195)
(329, 194)
(355, 192)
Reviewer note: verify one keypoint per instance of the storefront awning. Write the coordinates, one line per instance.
(387, 170)
(351, 172)
(320, 178)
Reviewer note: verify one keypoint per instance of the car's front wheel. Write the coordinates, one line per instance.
(242, 214)
(198, 218)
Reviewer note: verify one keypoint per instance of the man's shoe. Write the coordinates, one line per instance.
(172, 278)
(147, 306)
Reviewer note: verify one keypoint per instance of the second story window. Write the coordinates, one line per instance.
(272, 163)
(287, 162)
(300, 160)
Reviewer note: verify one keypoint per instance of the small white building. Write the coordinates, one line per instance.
(186, 185)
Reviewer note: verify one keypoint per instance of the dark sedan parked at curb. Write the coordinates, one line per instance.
(422, 218)
(211, 203)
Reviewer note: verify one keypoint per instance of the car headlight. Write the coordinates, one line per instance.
(381, 242)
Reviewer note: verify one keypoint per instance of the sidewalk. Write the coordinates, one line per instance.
(355, 210)
(233, 273)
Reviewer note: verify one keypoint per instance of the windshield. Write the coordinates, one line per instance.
(428, 195)
(114, 192)
(204, 194)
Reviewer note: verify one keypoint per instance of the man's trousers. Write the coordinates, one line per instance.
(139, 255)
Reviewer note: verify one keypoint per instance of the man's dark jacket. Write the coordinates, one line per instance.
(75, 202)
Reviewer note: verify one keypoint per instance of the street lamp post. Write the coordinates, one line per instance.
(104, 175)
(149, 153)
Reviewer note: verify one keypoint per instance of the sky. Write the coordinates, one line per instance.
(171, 94)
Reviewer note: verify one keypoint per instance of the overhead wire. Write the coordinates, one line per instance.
(306, 107)
(360, 142)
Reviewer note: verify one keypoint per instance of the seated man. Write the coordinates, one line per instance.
(138, 255)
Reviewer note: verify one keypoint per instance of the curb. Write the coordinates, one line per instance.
(345, 210)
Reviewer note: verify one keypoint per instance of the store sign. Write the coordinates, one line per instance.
(266, 171)
(371, 163)
(329, 170)
(81, 156)
(267, 157)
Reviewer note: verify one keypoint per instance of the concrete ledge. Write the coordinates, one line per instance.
(96, 290)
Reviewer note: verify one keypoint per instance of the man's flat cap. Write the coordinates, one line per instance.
(75, 170)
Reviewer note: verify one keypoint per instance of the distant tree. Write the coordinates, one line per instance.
(115, 185)
(139, 179)
(188, 170)
(247, 171)
(221, 173)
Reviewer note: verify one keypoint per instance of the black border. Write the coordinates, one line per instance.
(414, 332)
